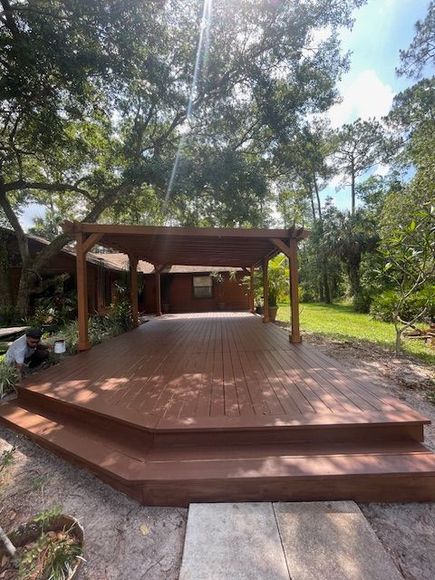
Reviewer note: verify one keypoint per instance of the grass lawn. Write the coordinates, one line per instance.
(341, 322)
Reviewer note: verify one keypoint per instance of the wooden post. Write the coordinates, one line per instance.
(133, 260)
(294, 293)
(82, 293)
(251, 290)
(266, 290)
(158, 291)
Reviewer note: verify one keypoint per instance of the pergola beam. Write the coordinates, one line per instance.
(75, 227)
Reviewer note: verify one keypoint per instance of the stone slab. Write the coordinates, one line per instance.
(237, 541)
(331, 541)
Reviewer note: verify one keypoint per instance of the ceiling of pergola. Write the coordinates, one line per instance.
(164, 246)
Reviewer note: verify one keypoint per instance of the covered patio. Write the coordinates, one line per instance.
(167, 246)
(219, 406)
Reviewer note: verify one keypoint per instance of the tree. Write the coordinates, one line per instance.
(350, 236)
(408, 247)
(94, 97)
(357, 147)
(421, 51)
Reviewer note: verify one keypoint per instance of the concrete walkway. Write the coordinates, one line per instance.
(282, 541)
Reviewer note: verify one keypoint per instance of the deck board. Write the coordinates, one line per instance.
(217, 368)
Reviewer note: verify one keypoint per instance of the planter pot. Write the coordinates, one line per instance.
(272, 313)
(30, 532)
(259, 309)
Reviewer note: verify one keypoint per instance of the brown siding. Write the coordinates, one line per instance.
(228, 295)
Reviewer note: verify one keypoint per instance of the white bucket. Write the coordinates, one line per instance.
(59, 347)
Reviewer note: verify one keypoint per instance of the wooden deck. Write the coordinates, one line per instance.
(220, 406)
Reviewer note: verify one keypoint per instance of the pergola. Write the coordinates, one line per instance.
(167, 246)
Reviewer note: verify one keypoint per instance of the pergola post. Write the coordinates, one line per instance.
(266, 290)
(133, 261)
(82, 293)
(295, 337)
(158, 291)
(251, 290)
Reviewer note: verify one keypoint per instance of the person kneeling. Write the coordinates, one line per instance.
(27, 352)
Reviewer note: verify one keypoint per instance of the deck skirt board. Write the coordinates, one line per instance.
(221, 407)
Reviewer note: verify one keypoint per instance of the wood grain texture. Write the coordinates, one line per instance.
(220, 407)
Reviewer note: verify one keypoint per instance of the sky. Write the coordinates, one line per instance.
(381, 29)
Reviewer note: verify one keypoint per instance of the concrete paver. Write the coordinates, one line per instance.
(331, 541)
(237, 541)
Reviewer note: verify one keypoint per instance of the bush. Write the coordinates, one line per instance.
(116, 321)
(362, 301)
(307, 294)
(8, 379)
(9, 316)
(385, 304)
(57, 310)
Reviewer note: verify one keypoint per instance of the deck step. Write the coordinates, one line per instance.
(338, 427)
(364, 471)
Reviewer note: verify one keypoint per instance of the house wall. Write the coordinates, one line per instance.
(98, 278)
(177, 292)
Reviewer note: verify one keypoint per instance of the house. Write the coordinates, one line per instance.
(187, 288)
(183, 288)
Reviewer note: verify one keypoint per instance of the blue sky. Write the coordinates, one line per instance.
(381, 29)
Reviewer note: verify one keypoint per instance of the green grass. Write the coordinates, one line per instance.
(339, 321)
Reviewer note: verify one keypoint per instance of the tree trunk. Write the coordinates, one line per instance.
(327, 291)
(31, 267)
(319, 205)
(352, 185)
(398, 343)
(5, 290)
(354, 279)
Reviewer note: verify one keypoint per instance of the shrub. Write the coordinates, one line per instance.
(362, 301)
(385, 304)
(8, 379)
(9, 316)
(116, 321)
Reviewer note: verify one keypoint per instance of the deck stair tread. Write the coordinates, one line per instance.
(123, 462)
(220, 407)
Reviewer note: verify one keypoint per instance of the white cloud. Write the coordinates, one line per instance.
(366, 96)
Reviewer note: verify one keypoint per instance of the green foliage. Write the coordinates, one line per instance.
(9, 316)
(385, 306)
(100, 327)
(421, 51)
(55, 310)
(8, 379)
(357, 147)
(54, 555)
(341, 322)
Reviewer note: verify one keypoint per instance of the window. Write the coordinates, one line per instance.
(202, 287)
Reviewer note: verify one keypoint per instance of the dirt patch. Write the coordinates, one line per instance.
(123, 540)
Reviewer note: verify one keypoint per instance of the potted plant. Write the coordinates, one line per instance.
(273, 303)
(49, 546)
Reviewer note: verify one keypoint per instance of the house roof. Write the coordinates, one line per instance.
(118, 260)
(168, 246)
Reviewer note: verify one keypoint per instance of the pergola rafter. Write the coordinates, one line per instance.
(229, 247)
